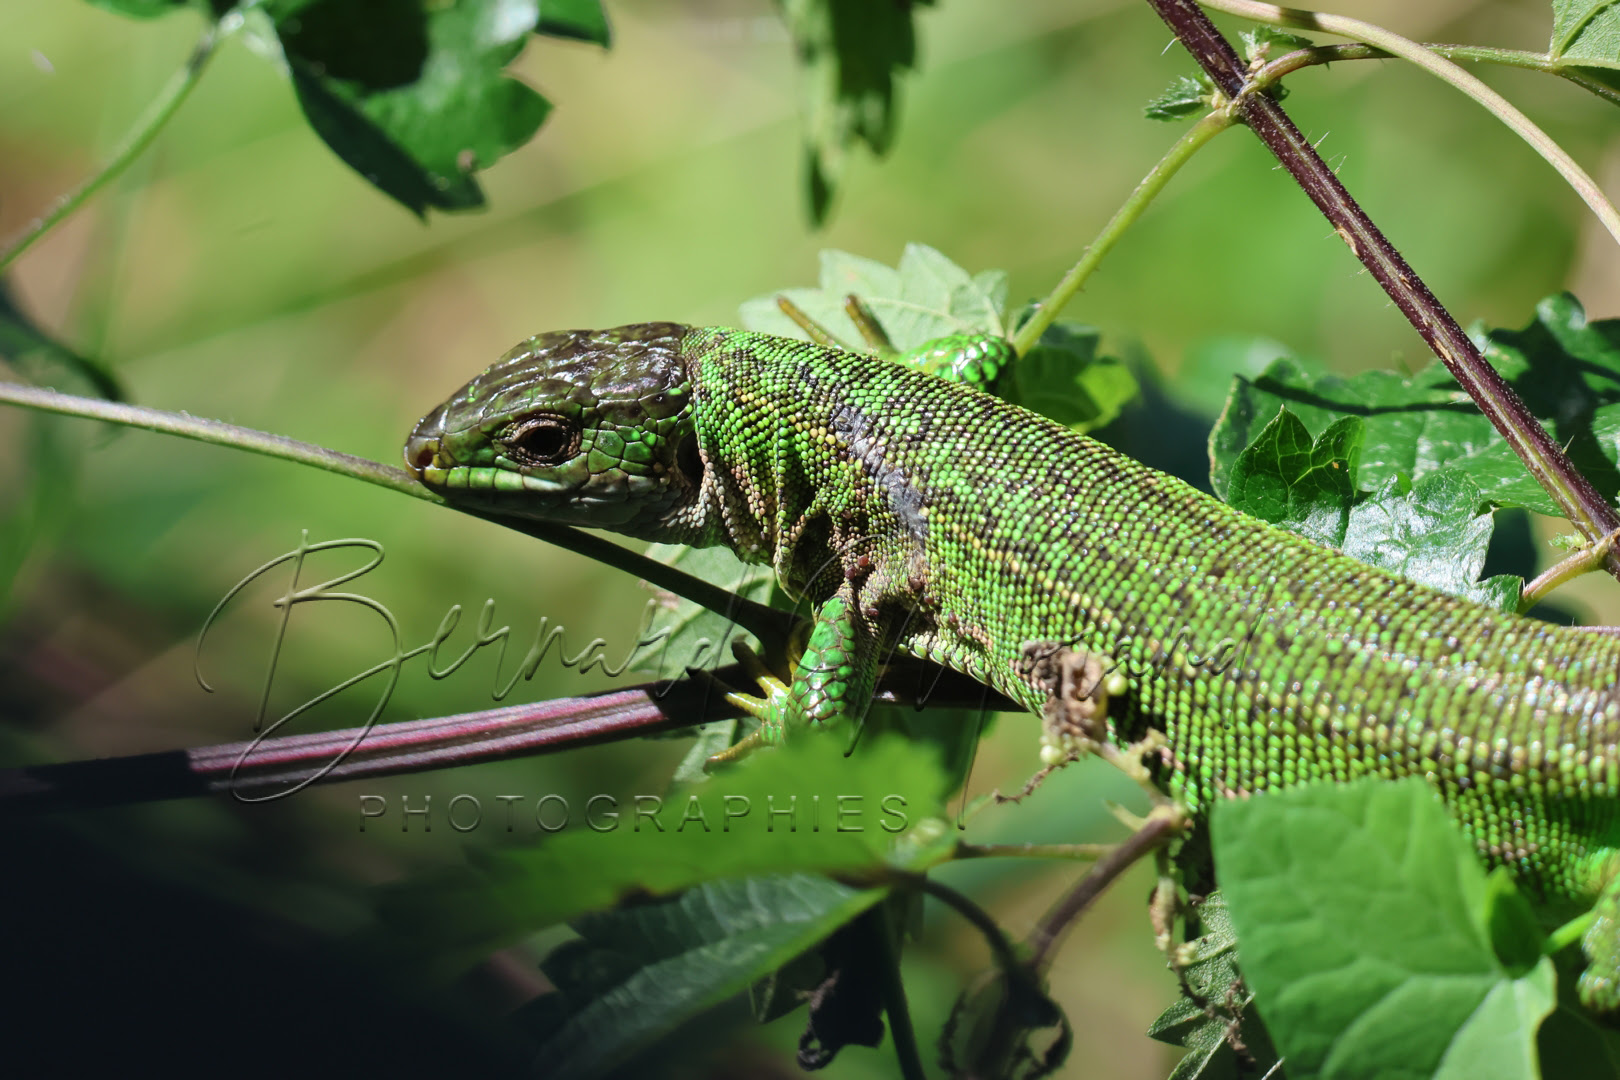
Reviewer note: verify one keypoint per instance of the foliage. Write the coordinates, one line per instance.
(1355, 932)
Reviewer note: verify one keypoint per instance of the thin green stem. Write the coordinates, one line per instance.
(1154, 182)
(1033, 851)
(1568, 934)
(1425, 58)
(146, 129)
(763, 622)
(1474, 54)
(1572, 566)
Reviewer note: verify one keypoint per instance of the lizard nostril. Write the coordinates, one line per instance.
(420, 452)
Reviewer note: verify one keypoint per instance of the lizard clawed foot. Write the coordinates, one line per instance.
(769, 708)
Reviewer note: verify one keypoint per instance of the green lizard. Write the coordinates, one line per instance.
(919, 512)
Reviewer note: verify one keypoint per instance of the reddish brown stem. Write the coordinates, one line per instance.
(1553, 470)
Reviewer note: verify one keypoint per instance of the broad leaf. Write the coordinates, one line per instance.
(800, 808)
(1288, 479)
(1364, 928)
(1586, 32)
(1566, 369)
(640, 971)
(413, 96)
(1431, 532)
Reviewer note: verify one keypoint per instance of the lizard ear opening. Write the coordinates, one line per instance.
(689, 461)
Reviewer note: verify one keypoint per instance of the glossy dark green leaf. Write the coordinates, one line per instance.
(413, 96)
(1566, 369)
(1431, 532)
(1287, 478)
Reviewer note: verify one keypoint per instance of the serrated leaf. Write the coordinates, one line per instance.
(578, 20)
(1361, 918)
(687, 954)
(850, 53)
(1586, 32)
(1260, 42)
(1185, 96)
(800, 808)
(1287, 478)
(413, 97)
(1431, 532)
(927, 297)
(1566, 369)
(1207, 1026)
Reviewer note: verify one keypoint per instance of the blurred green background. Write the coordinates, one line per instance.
(240, 271)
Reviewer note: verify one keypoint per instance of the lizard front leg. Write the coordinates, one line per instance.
(833, 679)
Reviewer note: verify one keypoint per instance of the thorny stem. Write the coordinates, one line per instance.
(1586, 509)
(1443, 69)
(146, 129)
(1153, 183)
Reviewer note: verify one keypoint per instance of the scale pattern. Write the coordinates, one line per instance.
(937, 517)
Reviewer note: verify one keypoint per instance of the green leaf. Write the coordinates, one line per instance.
(34, 351)
(928, 297)
(831, 814)
(411, 95)
(1566, 369)
(1429, 532)
(151, 9)
(1361, 914)
(1586, 32)
(850, 52)
(925, 298)
(1185, 96)
(1288, 479)
(669, 960)
(1064, 379)
(580, 20)
(1220, 1019)
(1262, 41)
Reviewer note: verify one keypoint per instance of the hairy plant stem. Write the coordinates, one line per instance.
(1200, 133)
(766, 623)
(1443, 69)
(1476, 54)
(1586, 509)
(146, 129)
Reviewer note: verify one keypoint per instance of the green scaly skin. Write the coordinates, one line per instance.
(915, 511)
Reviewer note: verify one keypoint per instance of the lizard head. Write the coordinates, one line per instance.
(583, 427)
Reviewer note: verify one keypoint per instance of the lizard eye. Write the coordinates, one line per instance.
(541, 440)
